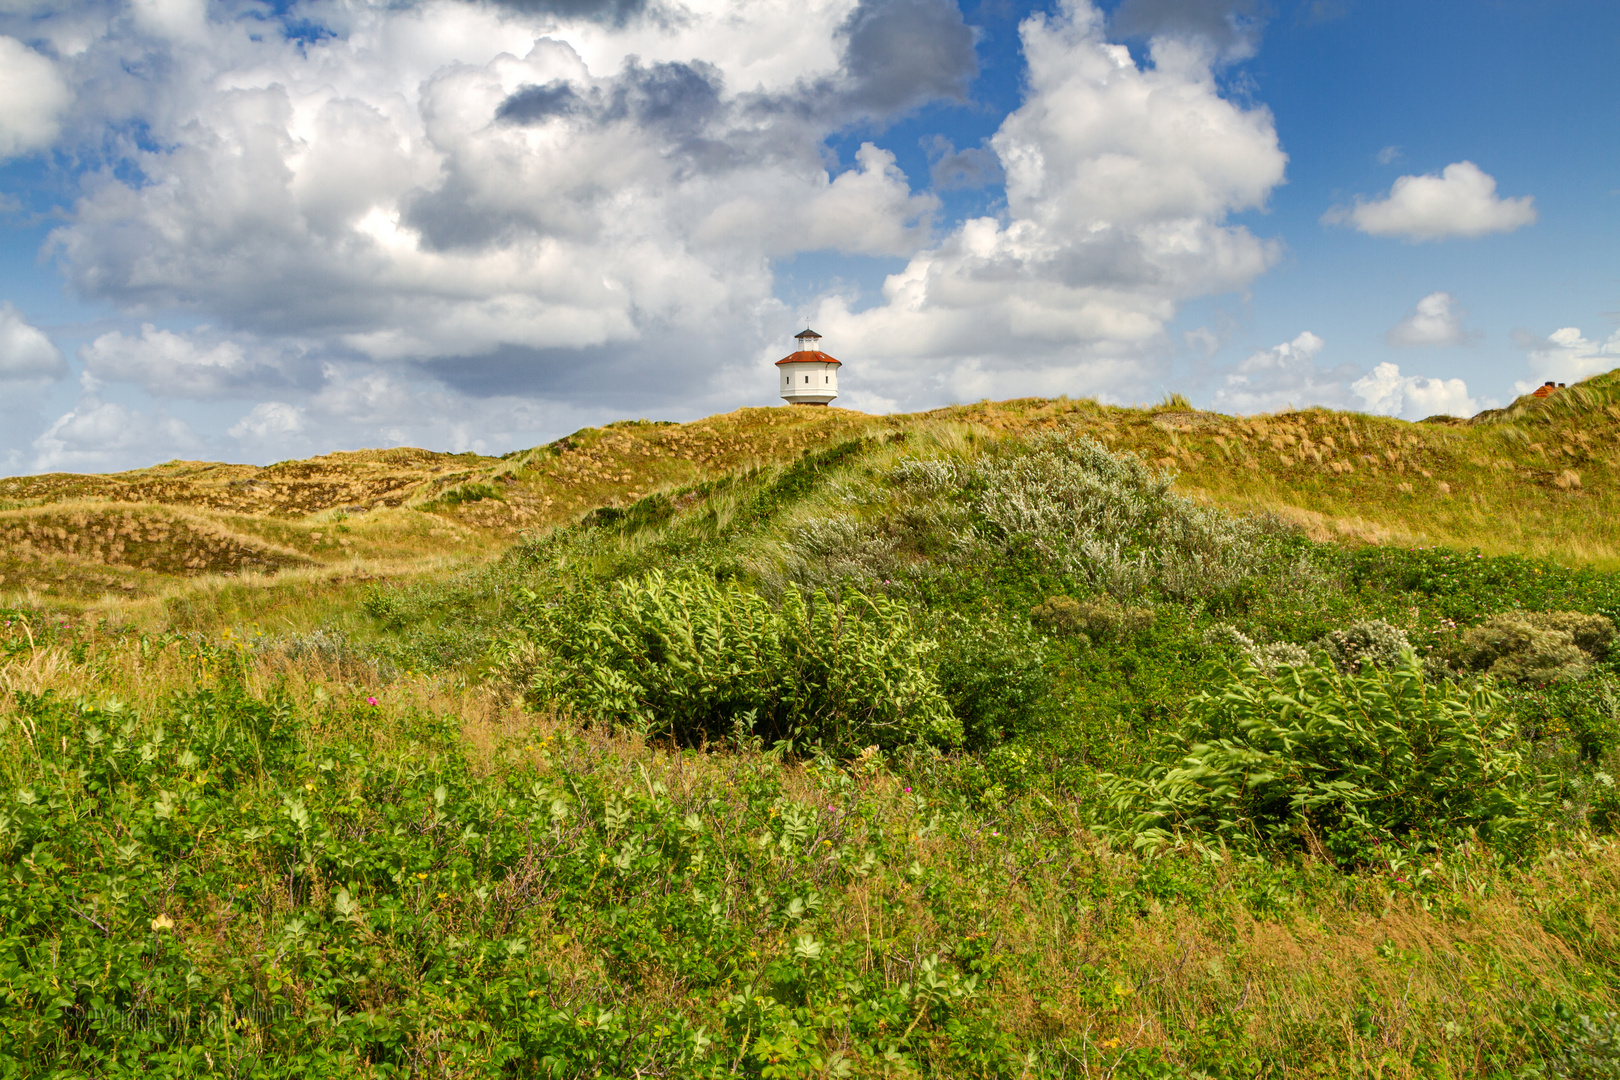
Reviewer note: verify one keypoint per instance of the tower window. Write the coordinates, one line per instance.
(807, 378)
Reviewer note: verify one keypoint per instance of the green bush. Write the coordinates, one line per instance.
(1352, 760)
(703, 661)
(1581, 1046)
(1582, 713)
(994, 678)
(1468, 587)
(1098, 619)
(467, 493)
(1538, 646)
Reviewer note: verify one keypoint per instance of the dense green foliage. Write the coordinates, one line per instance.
(704, 661)
(1343, 762)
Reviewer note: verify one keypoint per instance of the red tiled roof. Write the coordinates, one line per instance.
(809, 356)
(1545, 390)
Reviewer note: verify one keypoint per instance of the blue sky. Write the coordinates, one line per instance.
(250, 231)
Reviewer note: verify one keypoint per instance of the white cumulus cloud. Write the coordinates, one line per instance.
(268, 421)
(1119, 179)
(1283, 376)
(362, 404)
(97, 436)
(1436, 320)
(33, 96)
(197, 365)
(25, 351)
(1460, 201)
(178, 20)
(452, 223)
(1566, 356)
(448, 179)
(1385, 390)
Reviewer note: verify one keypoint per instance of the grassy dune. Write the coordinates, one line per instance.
(801, 743)
(1537, 478)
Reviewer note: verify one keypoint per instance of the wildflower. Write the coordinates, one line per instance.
(162, 922)
(371, 701)
(908, 791)
(421, 877)
(444, 896)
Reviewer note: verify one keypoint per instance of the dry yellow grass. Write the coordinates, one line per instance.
(1537, 478)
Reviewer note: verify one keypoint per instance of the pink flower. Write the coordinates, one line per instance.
(371, 701)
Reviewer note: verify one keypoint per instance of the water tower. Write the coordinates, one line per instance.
(809, 376)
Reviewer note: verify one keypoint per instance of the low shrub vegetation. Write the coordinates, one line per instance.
(1349, 764)
(702, 661)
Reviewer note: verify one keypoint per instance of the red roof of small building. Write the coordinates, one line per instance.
(1544, 390)
(809, 356)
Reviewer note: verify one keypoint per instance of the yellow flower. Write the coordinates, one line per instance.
(444, 896)
(162, 922)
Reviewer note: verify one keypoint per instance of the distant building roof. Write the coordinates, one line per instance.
(809, 356)
(1546, 389)
(807, 334)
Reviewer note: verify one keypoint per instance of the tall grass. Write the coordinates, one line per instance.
(241, 859)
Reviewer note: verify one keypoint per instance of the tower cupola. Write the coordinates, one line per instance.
(808, 376)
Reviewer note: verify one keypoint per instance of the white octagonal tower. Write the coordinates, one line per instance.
(809, 376)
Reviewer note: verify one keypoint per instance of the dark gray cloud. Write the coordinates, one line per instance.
(537, 104)
(950, 168)
(901, 53)
(450, 217)
(897, 55)
(671, 106)
(616, 12)
(1231, 26)
(670, 100)
(676, 99)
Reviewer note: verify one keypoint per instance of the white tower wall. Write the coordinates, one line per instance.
(808, 382)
